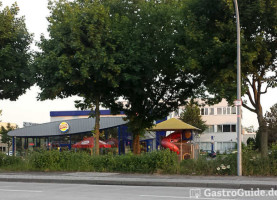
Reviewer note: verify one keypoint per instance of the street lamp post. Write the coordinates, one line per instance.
(239, 103)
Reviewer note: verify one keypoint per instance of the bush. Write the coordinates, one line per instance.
(222, 165)
(163, 161)
(9, 160)
(157, 161)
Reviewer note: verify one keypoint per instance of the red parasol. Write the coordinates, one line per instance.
(89, 143)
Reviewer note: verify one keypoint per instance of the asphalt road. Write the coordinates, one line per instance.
(52, 191)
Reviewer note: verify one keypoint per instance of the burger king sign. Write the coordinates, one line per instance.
(64, 127)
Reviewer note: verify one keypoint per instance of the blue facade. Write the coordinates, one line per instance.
(79, 113)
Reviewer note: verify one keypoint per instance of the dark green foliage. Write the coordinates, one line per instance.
(254, 165)
(213, 50)
(5, 138)
(155, 162)
(191, 115)
(6, 161)
(153, 81)
(79, 57)
(253, 143)
(162, 161)
(271, 119)
(15, 76)
(222, 165)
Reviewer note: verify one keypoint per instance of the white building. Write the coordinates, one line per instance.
(221, 134)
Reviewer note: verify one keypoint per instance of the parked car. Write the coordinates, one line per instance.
(212, 154)
(209, 153)
(10, 153)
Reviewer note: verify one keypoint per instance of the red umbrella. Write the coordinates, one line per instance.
(89, 143)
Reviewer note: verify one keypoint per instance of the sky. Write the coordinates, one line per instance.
(28, 109)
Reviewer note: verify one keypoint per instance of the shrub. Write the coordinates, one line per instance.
(9, 160)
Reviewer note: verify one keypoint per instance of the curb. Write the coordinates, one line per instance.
(244, 186)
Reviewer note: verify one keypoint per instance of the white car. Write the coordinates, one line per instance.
(10, 153)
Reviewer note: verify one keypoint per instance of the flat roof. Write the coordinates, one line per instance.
(79, 113)
(76, 126)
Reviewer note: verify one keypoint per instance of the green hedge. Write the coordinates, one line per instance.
(157, 161)
(163, 161)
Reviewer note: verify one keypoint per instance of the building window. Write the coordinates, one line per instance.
(234, 110)
(224, 111)
(219, 111)
(228, 111)
(210, 129)
(233, 128)
(227, 128)
(204, 111)
(219, 128)
(211, 111)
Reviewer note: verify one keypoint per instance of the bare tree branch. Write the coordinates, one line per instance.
(250, 98)
(247, 107)
(265, 90)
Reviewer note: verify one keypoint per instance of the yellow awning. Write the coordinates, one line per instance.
(172, 125)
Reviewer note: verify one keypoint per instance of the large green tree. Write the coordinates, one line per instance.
(15, 41)
(151, 80)
(79, 56)
(214, 50)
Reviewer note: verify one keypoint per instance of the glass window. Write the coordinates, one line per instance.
(205, 146)
(226, 128)
(224, 111)
(233, 127)
(206, 111)
(228, 111)
(202, 111)
(211, 111)
(219, 128)
(219, 111)
(211, 128)
(219, 146)
(234, 110)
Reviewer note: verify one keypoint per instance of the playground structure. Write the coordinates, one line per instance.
(180, 141)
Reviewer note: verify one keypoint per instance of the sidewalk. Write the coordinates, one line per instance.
(231, 182)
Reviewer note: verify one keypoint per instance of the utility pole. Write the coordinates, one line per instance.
(238, 102)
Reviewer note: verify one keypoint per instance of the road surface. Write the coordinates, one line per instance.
(53, 191)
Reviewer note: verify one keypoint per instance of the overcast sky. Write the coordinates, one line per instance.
(28, 109)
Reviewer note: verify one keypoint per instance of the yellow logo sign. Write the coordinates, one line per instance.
(64, 127)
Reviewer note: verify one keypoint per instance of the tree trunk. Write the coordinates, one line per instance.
(136, 145)
(97, 125)
(264, 135)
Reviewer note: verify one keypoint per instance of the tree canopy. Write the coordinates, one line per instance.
(214, 50)
(15, 76)
(78, 58)
(191, 115)
(5, 138)
(153, 81)
(101, 50)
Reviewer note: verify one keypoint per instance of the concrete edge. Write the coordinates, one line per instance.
(249, 186)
